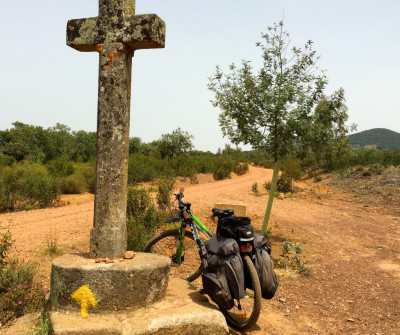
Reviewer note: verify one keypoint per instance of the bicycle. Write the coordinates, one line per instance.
(188, 255)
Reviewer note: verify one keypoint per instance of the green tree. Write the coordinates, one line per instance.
(266, 109)
(327, 137)
(175, 143)
(134, 145)
(84, 145)
(24, 141)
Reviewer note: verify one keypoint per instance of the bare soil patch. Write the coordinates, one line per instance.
(350, 242)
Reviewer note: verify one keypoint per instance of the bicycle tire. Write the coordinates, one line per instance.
(247, 315)
(165, 244)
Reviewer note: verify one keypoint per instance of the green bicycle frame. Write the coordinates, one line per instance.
(179, 249)
(203, 227)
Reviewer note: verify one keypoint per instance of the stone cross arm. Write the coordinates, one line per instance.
(145, 31)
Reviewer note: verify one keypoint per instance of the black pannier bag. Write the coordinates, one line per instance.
(264, 267)
(223, 279)
(236, 227)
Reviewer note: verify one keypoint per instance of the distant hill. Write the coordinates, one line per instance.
(380, 137)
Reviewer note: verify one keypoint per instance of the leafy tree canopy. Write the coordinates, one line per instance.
(175, 143)
(269, 108)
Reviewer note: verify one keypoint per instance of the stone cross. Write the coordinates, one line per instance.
(115, 33)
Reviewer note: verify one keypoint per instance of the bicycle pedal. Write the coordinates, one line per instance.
(201, 291)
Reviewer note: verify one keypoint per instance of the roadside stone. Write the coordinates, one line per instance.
(129, 254)
(184, 311)
(116, 286)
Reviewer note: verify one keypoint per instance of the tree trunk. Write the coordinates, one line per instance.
(271, 197)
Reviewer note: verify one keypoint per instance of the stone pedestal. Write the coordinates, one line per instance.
(119, 286)
(183, 311)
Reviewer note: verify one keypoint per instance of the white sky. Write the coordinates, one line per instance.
(42, 81)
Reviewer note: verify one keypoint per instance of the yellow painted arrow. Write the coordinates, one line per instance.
(85, 297)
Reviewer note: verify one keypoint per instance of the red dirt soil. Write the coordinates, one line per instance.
(353, 249)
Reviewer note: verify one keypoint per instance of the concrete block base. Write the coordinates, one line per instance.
(78, 282)
(183, 311)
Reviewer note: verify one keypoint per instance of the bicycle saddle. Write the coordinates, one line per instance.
(222, 213)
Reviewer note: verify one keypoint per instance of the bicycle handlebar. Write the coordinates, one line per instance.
(179, 197)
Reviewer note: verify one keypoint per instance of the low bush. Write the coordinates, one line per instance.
(165, 186)
(6, 160)
(291, 169)
(73, 184)
(61, 166)
(241, 169)
(223, 168)
(26, 185)
(88, 173)
(254, 188)
(142, 218)
(377, 168)
(18, 293)
(284, 184)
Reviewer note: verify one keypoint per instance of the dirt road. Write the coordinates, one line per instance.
(353, 250)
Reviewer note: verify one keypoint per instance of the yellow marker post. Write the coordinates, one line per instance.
(84, 296)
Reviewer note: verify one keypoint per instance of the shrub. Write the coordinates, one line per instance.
(377, 169)
(28, 185)
(221, 173)
(18, 294)
(142, 218)
(88, 173)
(61, 166)
(73, 184)
(292, 169)
(142, 168)
(358, 168)
(165, 187)
(367, 173)
(52, 246)
(284, 184)
(241, 169)
(43, 327)
(267, 185)
(254, 188)
(6, 160)
(317, 179)
(5, 245)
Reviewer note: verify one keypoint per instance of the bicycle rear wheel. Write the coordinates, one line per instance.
(246, 311)
(166, 244)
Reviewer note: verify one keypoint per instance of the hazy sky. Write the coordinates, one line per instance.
(42, 81)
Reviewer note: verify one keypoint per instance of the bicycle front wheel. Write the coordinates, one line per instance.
(244, 314)
(166, 244)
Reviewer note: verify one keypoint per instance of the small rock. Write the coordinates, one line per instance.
(297, 307)
(351, 320)
(281, 196)
(121, 260)
(129, 254)
(282, 299)
(98, 260)
(108, 261)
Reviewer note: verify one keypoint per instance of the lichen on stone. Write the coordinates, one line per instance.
(87, 32)
(137, 33)
(109, 37)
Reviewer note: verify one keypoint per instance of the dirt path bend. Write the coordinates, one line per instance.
(353, 250)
